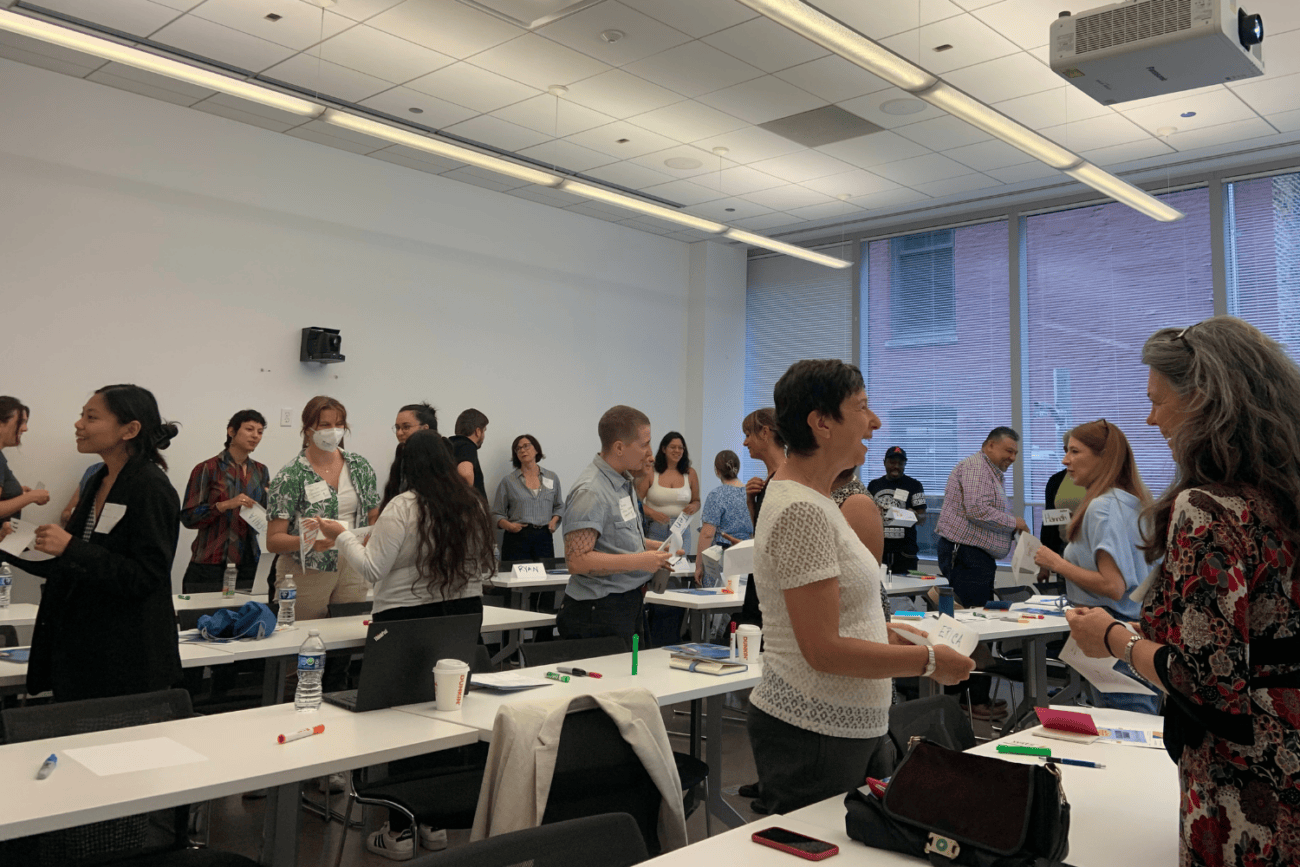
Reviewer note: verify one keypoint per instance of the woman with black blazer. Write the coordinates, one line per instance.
(106, 625)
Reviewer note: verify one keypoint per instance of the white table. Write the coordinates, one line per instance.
(698, 604)
(668, 685)
(13, 675)
(523, 589)
(241, 754)
(911, 585)
(18, 614)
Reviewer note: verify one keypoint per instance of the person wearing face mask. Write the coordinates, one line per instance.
(218, 489)
(14, 496)
(323, 481)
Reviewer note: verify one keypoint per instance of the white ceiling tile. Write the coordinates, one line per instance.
(766, 44)
(875, 149)
(881, 19)
(694, 17)
(869, 107)
(1052, 107)
(206, 39)
(1096, 132)
(972, 42)
(428, 162)
(434, 113)
(942, 133)
(156, 81)
(1222, 134)
(1004, 78)
(684, 192)
(360, 10)
(788, 198)
(738, 180)
(636, 140)
(921, 170)
(1126, 152)
(629, 175)
(988, 155)
(207, 106)
(556, 118)
(1287, 121)
(538, 62)
(1024, 172)
(762, 99)
(328, 78)
(1028, 22)
(381, 54)
(1212, 108)
(183, 5)
(134, 85)
(890, 199)
(264, 111)
(467, 85)
(620, 94)
(802, 166)
(369, 142)
(137, 17)
(729, 210)
(858, 182)
(449, 27)
(825, 212)
(961, 184)
(772, 220)
(970, 5)
(750, 144)
(642, 35)
(315, 135)
(498, 133)
(1271, 96)
(693, 69)
(1280, 16)
(1281, 53)
(567, 155)
(547, 196)
(467, 175)
(833, 78)
(688, 121)
(300, 25)
(657, 161)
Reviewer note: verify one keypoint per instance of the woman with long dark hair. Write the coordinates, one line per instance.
(671, 490)
(13, 495)
(106, 625)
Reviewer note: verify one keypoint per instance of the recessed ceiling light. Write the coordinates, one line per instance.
(1188, 114)
(414, 110)
(944, 47)
(843, 197)
(1166, 130)
(682, 163)
(721, 151)
(612, 36)
(902, 106)
(272, 17)
(557, 90)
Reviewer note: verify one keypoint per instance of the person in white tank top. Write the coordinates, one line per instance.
(671, 489)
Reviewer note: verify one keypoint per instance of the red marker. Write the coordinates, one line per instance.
(299, 735)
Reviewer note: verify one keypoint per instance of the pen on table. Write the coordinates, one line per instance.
(636, 642)
(300, 734)
(47, 767)
(560, 677)
(577, 672)
(733, 640)
(1078, 762)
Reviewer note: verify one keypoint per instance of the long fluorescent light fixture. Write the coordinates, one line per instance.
(788, 249)
(618, 200)
(128, 56)
(820, 28)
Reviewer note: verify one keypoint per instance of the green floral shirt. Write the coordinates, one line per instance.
(288, 499)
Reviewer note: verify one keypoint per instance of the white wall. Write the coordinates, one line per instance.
(147, 243)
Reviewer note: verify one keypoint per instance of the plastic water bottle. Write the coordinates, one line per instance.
(311, 666)
(228, 580)
(6, 582)
(287, 595)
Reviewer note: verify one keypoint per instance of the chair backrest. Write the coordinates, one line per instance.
(57, 719)
(1013, 594)
(8, 636)
(482, 661)
(596, 772)
(350, 609)
(937, 718)
(608, 840)
(569, 649)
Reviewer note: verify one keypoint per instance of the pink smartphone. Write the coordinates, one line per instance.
(796, 844)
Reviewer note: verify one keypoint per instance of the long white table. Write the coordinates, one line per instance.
(13, 675)
(698, 604)
(911, 585)
(668, 685)
(18, 614)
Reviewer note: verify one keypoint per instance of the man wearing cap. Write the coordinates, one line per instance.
(897, 490)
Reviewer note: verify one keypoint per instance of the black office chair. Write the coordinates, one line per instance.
(1013, 594)
(938, 718)
(157, 839)
(350, 609)
(609, 840)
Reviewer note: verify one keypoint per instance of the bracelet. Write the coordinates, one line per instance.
(930, 664)
(1105, 638)
(1128, 650)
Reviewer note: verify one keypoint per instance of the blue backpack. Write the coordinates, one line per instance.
(251, 620)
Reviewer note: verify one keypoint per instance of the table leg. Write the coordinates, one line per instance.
(697, 625)
(282, 826)
(717, 805)
(273, 680)
(510, 646)
(1035, 661)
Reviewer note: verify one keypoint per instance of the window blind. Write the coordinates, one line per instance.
(1263, 225)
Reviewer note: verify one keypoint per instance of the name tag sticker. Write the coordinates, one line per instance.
(626, 509)
(1056, 517)
(684, 493)
(549, 484)
(529, 570)
(109, 516)
(901, 495)
(317, 492)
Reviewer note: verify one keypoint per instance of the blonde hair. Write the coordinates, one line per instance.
(1116, 468)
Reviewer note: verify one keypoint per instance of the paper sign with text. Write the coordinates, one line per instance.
(529, 570)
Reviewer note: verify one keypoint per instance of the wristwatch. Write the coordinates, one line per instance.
(929, 665)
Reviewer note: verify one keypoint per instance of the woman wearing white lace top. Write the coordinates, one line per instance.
(818, 719)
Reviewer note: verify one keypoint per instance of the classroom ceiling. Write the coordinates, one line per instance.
(656, 88)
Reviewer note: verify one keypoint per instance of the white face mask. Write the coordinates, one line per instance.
(328, 440)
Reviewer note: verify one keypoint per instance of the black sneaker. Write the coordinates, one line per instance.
(750, 790)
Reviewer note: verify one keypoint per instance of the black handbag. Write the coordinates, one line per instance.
(961, 808)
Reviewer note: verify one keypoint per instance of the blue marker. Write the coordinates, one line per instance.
(48, 767)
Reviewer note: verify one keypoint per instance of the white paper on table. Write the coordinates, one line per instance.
(1100, 673)
(739, 559)
(900, 517)
(946, 631)
(22, 537)
(255, 517)
(508, 680)
(145, 755)
(1023, 567)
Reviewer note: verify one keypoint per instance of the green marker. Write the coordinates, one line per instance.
(1024, 751)
(560, 677)
(182, 597)
(636, 642)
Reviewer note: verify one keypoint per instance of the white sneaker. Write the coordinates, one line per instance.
(334, 783)
(395, 847)
(432, 840)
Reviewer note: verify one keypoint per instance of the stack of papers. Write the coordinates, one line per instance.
(507, 681)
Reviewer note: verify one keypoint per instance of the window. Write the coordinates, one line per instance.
(1096, 283)
(1263, 225)
(922, 289)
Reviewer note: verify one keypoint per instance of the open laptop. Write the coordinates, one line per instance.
(400, 656)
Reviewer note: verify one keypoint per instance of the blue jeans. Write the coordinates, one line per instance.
(1126, 700)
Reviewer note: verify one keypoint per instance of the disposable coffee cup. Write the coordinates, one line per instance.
(733, 583)
(449, 679)
(749, 641)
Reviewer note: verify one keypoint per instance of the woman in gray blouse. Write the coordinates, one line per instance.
(528, 504)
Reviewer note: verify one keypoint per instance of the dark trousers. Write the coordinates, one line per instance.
(207, 577)
(449, 608)
(797, 767)
(616, 614)
(529, 544)
(971, 572)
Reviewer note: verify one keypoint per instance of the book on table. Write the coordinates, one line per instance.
(696, 650)
(715, 667)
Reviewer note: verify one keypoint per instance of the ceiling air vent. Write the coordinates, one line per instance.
(530, 14)
(821, 126)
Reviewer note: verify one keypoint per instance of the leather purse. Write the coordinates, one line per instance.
(960, 808)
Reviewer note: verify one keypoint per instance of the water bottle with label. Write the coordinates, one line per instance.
(286, 594)
(228, 580)
(311, 667)
(6, 584)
